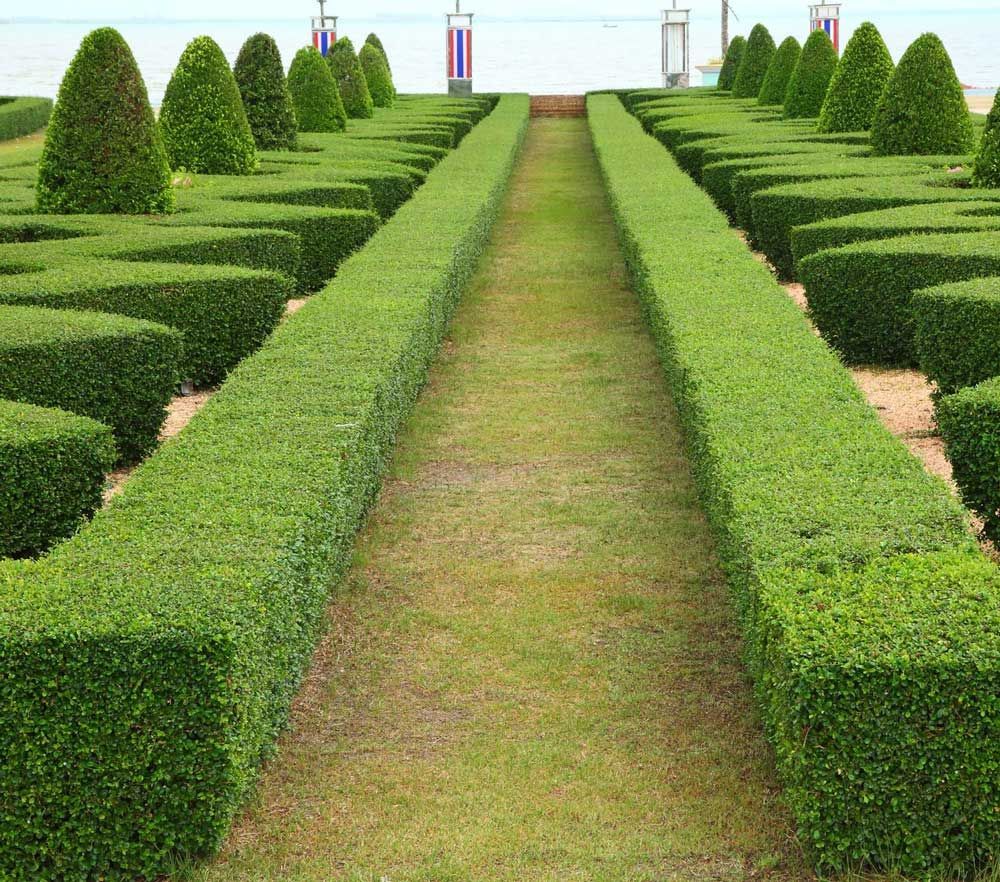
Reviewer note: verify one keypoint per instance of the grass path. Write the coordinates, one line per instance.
(532, 672)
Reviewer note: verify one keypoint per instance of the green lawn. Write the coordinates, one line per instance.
(533, 671)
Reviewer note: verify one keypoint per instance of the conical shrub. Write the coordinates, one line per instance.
(756, 60)
(858, 83)
(779, 72)
(261, 78)
(377, 76)
(373, 40)
(203, 121)
(350, 80)
(923, 111)
(986, 168)
(103, 151)
(811, 77)
(318, 107)
(731, 63)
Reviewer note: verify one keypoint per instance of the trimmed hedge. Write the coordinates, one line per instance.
(373, 40)
(872, 620)
(260, 76)
(923, 109)
(118, 371)
(779, 72)
(318, 107)
(53, 466)
(811, 78)
(754, 64)
(858, 83)
(23, 116)
(204, 124)
(170, 635)
(350, 80)
(377, 75)
(731, 63)
(116, 166)
(986, 167)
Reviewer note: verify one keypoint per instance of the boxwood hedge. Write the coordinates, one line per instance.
(22, 116)
(731, 63)
(872, 620)
(779, 72)
(754, 63)
(811, 78)
(858, 83)
(53, 465)
(169, 636)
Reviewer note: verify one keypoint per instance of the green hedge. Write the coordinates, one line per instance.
(260, 76)
(811, 77)
(731, 63)
(318, 107)
(53, 466)
(871, 618)
(118, 371)
(754, 63)
(23, 116)
(858, 83)
(779, 72)
(170, 635)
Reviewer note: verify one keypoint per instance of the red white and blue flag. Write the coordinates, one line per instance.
(832, 28)
(324, 40)
(459, 53)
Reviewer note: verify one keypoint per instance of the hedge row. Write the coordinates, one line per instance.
(169, 635)
(53, 466)
(22, 116)
(871, 618)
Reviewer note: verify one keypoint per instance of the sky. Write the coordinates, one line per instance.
(262, 9)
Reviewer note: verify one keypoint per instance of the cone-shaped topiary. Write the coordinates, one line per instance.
(731, 63)
(202, 118)
(318, 107)
(986, 168)
(858, 83)
(373, 40)
(261, 78)
(779, 72)
(811, 77)
(103, 151)
(923, 111)
(377, 76)
(756, 60)
(350, 80)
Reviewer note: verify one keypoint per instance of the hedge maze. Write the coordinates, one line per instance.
(870, 615)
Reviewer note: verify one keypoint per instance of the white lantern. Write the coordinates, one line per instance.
(459, 53)
(324, 29)
(676, 27)
(826, 16)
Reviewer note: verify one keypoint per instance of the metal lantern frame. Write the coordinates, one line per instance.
(826, 12)
(458, 52)
(675, 29)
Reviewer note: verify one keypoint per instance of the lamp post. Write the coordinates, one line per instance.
(459, 52)
(676, 27)
(324, 29)
(826, 16)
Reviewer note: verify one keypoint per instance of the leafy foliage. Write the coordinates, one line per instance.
(923, 109)
(350, 80)
(731, 63)
(260, 76)
(986, 167)
(754, 64)
(318, 107)
(373, 40)
(811, 77)
(377, 75)
(203, 120)
(22, 116)
(103, 151)
(779, 72)
(858, 83)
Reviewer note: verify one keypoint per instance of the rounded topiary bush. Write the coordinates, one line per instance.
(731, 63)
(377, 76)
(318, 107)
(202, 118)
(261, 78)
(986, 168)
(811, 77)
(756, 60)
(779, 72)
(923, 111)
(857, 84)
(350, 80)
(103, 151)
(373, 40)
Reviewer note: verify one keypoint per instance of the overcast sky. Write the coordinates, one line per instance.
(96, 9)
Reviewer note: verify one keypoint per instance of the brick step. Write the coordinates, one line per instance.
(558, 105)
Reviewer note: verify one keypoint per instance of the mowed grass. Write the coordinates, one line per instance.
(532, 672)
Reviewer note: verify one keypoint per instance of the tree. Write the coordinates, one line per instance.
(203, 120)
(731, 63)
(261, 78)
(103, 151)
(811, 77)
(858, 83)
(373, 40)
(350, 80)
(923, 110)
(318, 107)
(756, 60)
(377, 76)
(986, 168)
(779, 72)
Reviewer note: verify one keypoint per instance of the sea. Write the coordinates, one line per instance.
(540, 56)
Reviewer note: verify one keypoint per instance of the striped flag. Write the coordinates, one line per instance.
(324, 40)
(460, 53)
(832, 28)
